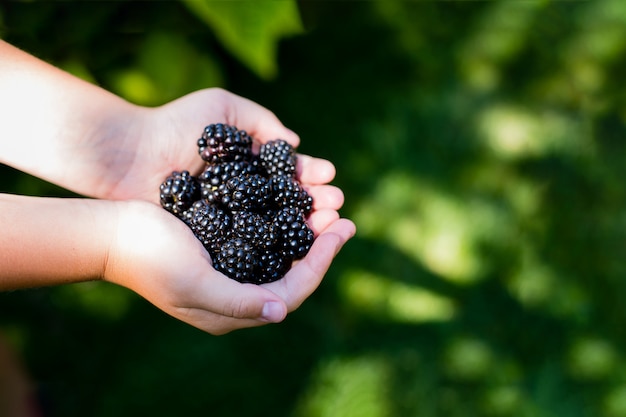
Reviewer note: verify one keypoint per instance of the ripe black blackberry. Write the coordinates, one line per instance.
(271, 266)
(216, 175)
(277, 157)
(221, 142)
(287, 192)
(249, 211)
(178, 192)
(244, 192)
(295, 238)
(211, 225)
(237, 259)
(255, 228)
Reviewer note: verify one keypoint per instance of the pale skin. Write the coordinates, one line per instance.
(81, 137)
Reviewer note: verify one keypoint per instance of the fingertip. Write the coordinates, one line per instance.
(307, 274)
(326, 196)
(319, 220)
(274, 312)
(311, 170)
(342, 230)
(292, 137)
(349, 226)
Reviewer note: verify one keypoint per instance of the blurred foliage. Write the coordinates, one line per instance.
(480, 148)
(250, 30)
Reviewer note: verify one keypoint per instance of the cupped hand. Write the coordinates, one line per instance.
(157, 256)
(157, 141)
(164, 139)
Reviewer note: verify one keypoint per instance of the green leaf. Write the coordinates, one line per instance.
(250, 30)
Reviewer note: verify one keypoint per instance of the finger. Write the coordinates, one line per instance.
(306, 275)
(326, 197)
(218, 294)
(214, 323)
(319, 220)
(310, 170)
(258, 121)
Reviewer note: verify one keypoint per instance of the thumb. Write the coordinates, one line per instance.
(259, 122)
(221, 295)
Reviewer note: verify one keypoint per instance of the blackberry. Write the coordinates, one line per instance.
(249, 211)
(178, 192)
(287, 192)
(216, 175)
(271, 266)
(237, 259)
(244, 192)
(255, 228)
(277, 157)
(221, 142)
(294, 235)
(210, 224)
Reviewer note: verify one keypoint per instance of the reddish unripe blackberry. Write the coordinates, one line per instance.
(178, 192)
(236, 259)
(221, 142)
(294, 235)
(277, 157)
(287, 192)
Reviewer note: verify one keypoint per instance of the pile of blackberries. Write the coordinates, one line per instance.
(248, 210)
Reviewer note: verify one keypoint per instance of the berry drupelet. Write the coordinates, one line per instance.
(287, 192)
(211, 225)
(244, 192)
(294, 235)
(215, 176)
(237, 259)
(256, 228)
(278, 157)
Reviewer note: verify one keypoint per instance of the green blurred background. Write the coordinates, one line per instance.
(480, 146)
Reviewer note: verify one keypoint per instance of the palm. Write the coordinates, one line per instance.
(164, 139)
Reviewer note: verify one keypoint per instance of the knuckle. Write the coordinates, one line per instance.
(240, 308)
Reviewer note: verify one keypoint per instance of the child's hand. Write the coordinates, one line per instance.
(156, 255)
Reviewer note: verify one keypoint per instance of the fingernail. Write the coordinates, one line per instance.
(273, 311)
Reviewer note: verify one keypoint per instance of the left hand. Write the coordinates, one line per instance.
(163, 139)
